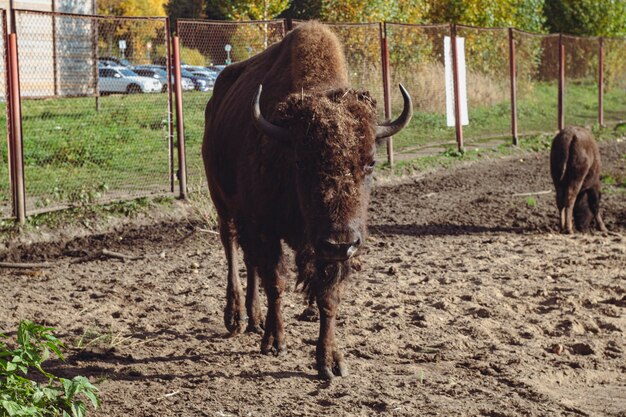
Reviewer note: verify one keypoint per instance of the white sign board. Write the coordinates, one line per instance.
(122, 44)
(460, 50)
(228, 47)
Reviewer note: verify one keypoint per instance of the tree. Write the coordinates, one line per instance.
(303, 9)
(131, 7)
(247, 9)
(177, 9)
(587, 17)
(404, 11)
(521, 14)
(141, 36)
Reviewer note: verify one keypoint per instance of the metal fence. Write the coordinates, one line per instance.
(212, 45)
(5, 186)
(88, 135)
(86, 139)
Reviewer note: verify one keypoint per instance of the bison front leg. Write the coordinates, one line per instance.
(330, 361)
(273, 278)
(234, 313)
(255, 321)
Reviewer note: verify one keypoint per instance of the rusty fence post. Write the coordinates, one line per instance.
(455, 76)
(170, 100)
(55, 70)
(601, 82)
(513, 74)
(7, 92)
(16, 152)
(384, 57)
(94, 52)
(561, 113)
(180, 128)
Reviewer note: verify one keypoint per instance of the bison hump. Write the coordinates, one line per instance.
(317, 59)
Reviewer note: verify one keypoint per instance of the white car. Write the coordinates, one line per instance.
(124, 80)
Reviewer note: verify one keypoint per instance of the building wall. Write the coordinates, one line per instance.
(56, 53)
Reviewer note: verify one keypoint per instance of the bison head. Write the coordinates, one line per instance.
(332, 139)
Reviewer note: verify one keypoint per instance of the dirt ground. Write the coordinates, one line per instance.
(464, 293)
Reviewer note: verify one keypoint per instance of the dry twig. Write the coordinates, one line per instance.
(532, 193)
(125, 257)
(14, 265)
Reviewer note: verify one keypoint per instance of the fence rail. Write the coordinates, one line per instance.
(76, 133)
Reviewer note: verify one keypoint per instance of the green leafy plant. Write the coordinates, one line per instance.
(531, 202)
(20, 395)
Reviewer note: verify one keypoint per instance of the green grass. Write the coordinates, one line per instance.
(536, 110)
(76, 155)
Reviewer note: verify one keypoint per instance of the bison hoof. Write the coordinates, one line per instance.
(338, 369)
(235, 322)
(254, 327)
(309, 314)
(273, 349)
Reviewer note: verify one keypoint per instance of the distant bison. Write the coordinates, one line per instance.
(575, 169)
(293, 164)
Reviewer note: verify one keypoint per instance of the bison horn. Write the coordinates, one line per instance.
(263, 125)
(391, 128)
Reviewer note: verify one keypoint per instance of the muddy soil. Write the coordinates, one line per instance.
(469, 303)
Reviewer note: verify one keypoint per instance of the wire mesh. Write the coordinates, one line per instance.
(93, 130)
(416, 60)
(488, 83)
(581, 80)
(5, 187)
(537, 60)
(614, 80)
(361, 46)
(206, 48)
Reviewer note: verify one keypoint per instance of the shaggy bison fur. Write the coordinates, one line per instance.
(301, 176)
(575, 170)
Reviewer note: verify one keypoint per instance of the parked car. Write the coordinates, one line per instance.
(120, 62)
(201, 83)
(210, 73)
(123, 80)
(161, 75)
(103, 63)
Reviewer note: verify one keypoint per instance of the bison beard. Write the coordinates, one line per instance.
(301, 176)
(575, 171)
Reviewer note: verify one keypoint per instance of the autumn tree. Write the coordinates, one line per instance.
(181, 9)
(142, 37)
(247, 9)
(587, 17)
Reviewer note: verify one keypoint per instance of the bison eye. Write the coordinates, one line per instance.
(369, 168)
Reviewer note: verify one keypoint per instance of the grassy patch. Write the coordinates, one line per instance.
(87, 216)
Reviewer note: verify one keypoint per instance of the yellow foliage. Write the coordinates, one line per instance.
(131, 7)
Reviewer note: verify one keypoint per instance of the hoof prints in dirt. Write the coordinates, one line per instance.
(467, 303)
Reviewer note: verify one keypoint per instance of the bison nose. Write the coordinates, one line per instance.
(338, 250)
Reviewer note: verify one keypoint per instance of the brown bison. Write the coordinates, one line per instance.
(575, 169)
(294, 165)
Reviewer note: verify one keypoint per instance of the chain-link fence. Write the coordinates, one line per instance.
(96, 99)
(582, 60)
(488, 82)
(537, 67)
(206, 48)
(5, 191)
(416, 60)
(93, 130)
(614, 80)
